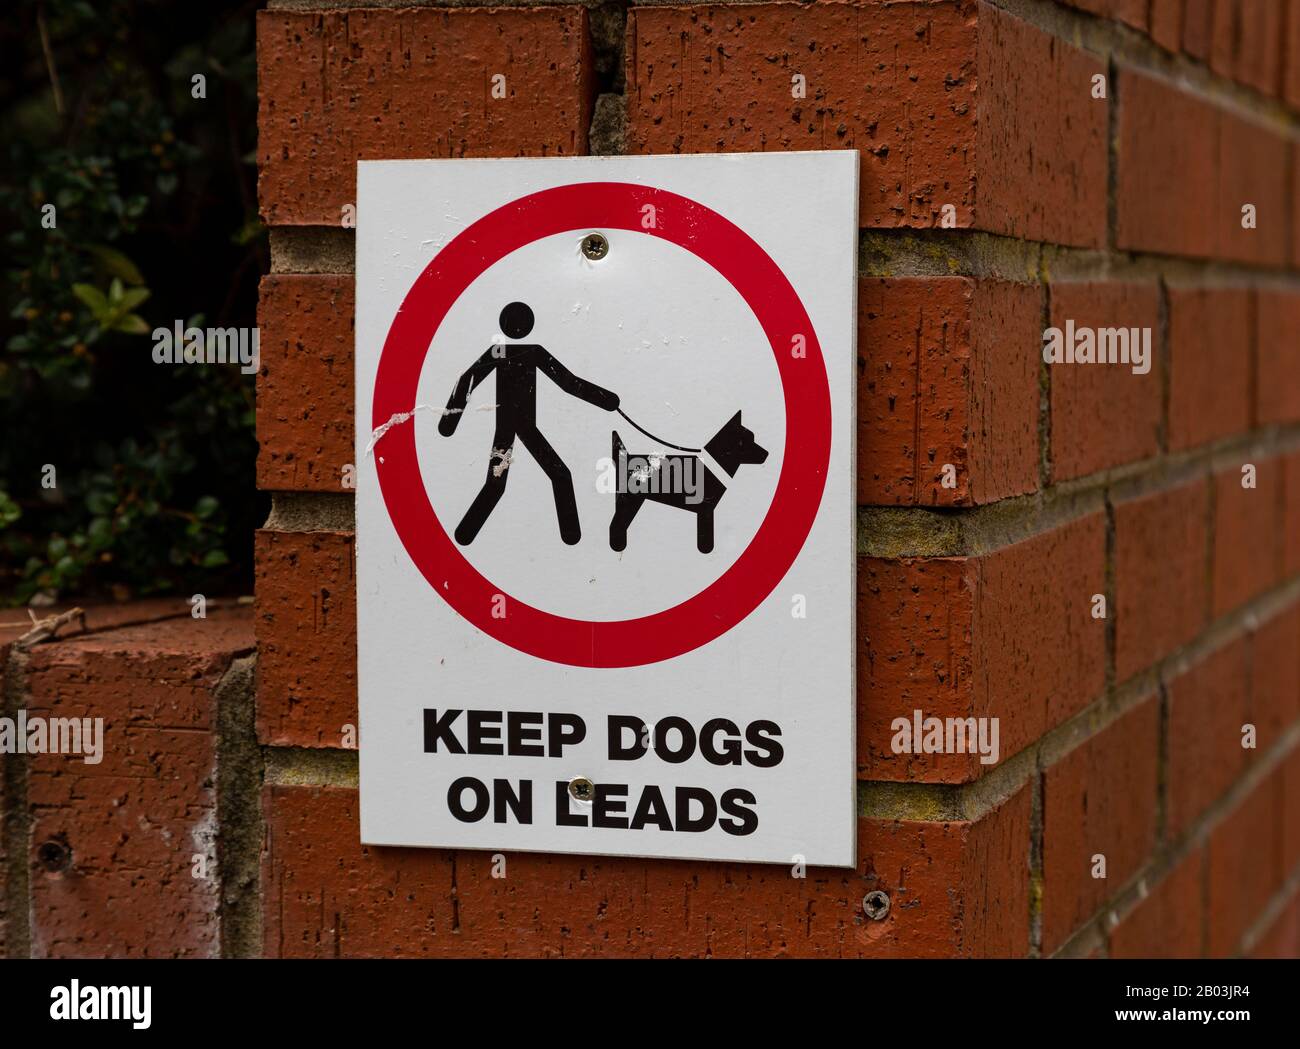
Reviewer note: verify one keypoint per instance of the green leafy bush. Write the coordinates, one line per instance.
(153, 220)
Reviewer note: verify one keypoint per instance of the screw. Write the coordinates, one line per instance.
(54, 856)
(581, 788)
(595, 246)
(875, 905)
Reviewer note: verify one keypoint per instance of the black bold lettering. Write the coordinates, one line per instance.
(771, 752)
(455, 798)
(618, 725)
(745, 819)
(439, 728)
(484, 732)
(565, 730)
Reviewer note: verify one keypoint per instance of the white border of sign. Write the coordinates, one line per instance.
(399, 613)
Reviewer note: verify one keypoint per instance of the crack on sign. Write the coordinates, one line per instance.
(398, 418)
(501, 460)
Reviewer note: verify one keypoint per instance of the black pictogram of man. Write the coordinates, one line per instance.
(517, 365)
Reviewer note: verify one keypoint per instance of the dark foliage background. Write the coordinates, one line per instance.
(155, 197)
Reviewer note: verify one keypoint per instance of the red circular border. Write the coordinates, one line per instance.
(758, 280)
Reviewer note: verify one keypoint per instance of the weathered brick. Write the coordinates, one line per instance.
(1130, 12)
(1278, 340)
(1167, 24)
(1291, 60)
(1161, 574)
(1035, 677)
(1291, 515)
(1282, 939)
(304, 384)
(948, 376)
(341, 86)
(1208, 705)
(1098, 800)
(899, 82)
(1167, 168)
(1187, 167)
(1198, 27)
(114, 842)
(1275, 677)
(1041, 147)
(1287, 782)
(904, 99)
(1252, 169)
(957, 889)
(1209, 364)
(307, 637)
(1247, 541)
(947, 636)
(1244, 869)
(914, 625)
(1259, 54)
(1167, 922)
(1104, 415)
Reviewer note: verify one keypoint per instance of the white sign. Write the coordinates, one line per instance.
(605, 504)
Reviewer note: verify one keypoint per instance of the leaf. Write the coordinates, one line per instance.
(92, 297)
(214, 559)
(132, 324)
(116, 264)
(131, 299)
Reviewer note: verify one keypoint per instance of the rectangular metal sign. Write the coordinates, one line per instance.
(605, 504)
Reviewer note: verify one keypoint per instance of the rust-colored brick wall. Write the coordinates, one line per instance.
(1114, 575)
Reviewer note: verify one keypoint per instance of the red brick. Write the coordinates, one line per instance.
(1006, 343)
(1167, 922)
(1167, 24)
(899, 82)
(1244, 869)
(1259, 55)
(1161, 574)
(1291, 61)
(338, 87)
(1225, 40)
(1252, 169)
(1042, 155)
(1167, 168)
(893, 81)
(1198, 27)
(1208, 705)
(914, 625)
(1104, 415)
(1247, 543)
(1130, 12)
(1291, 515)
(1278, 340)
(1038, 655)
(957, 889)
(1209, 364)
(1100, 799)
(1185, 170)
(1275, 677)
(948, 377)
(1295, 212)
(1287, 781)
(132, 823)
(304, 385)
(306, 634)
(1282, 939)
(947, 636)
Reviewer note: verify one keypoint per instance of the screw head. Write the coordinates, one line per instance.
(595, 246)
(581, 789)
(875, 905)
